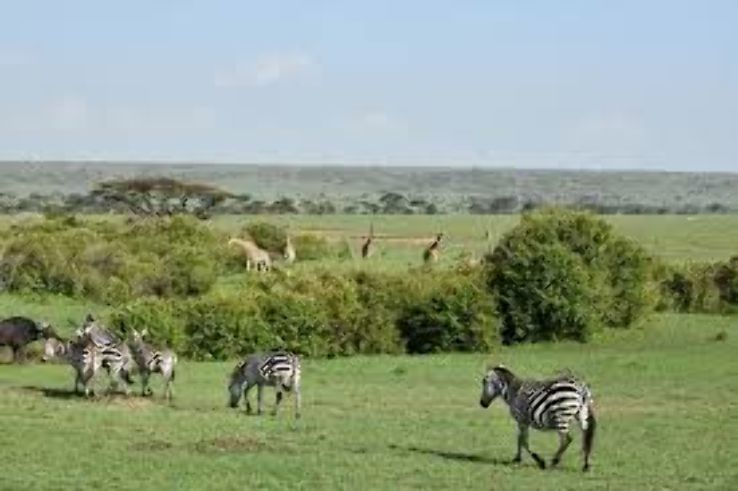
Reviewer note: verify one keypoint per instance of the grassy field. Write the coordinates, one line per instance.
(666, 396)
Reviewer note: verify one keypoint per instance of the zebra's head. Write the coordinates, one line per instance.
(235, 385)
(492, 386)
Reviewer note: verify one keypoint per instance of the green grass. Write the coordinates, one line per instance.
(666, 398)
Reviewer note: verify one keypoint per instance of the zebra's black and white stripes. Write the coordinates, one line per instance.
(545, 405)
(279, 369)
(150, 360)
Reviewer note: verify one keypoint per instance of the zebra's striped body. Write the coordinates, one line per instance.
(115, 355)
(84, 359)
(150, 360)
(544, 405)
(278, 369)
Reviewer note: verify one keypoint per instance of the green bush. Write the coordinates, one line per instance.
(266, 235)
(105, 262)
(560, 274)
(454, 313)
(689, 287)
(726, 280)
(309, 247)
(160, 317)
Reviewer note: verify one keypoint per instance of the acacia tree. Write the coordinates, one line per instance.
(157, 196)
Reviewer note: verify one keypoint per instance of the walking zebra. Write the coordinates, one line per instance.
(544, 405)
(83, 357)
(150, 360)
(277, 369)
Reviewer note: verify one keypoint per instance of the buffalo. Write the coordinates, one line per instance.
(17, 332)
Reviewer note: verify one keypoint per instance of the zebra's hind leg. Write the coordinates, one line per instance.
(259, 399)
(523, 443)
(564, 441)
(246, 397)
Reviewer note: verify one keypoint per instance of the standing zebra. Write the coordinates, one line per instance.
(277, 369)
(83, 357)
(150, 360)
(544, 405)
(115, 355)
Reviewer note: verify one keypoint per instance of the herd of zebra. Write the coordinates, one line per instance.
(552, 404)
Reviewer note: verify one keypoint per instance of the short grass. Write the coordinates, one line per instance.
(666, 397)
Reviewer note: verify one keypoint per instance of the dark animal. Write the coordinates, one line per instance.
(17, 332)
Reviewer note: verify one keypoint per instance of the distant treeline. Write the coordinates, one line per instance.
(168, 196)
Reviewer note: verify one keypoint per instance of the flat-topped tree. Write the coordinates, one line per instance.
(159, 196)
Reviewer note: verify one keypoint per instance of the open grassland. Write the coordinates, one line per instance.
(400, 238)
(666, 396)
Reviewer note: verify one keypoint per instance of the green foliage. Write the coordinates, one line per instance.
(560, 274)
(160, 317)
(163, 257)
(310, 247)
(726, 280)
(453, 314)
(266, 235)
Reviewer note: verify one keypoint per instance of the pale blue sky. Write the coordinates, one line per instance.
(647, 84)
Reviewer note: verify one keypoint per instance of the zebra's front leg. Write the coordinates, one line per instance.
(145, 375)
(523, 443)
(277, 401)
(298, 401)
(565, 440)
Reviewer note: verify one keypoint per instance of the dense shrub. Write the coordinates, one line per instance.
(559, 274)
(726, 280)
(162, 318)
(164, 257)
(453, 314)
(266, 235)
(309, 247)
(689, 287)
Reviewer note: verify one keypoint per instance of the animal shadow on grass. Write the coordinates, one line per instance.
(457, 456)
(55, 392)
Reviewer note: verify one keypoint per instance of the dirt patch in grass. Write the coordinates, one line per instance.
(151, 446)
(128, 402)
(230, 445)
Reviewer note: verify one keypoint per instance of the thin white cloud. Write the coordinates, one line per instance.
(13, 58)
(69, 113)
(381, 121)
(266, 70)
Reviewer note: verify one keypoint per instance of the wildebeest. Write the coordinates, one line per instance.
(17, 332)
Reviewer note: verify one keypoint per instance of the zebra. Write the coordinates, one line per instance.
(83, 357)
(278, 369)
(544, 405)
(116, 357)
(150, 360)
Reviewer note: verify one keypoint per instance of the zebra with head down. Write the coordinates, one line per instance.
(278, 369)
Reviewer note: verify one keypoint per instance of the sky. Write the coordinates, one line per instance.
(601, 84)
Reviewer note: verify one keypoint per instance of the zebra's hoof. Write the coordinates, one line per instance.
(554, 462)
(541, 463)
(585, 468)
(516, 460)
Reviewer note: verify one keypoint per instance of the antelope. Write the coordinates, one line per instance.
(254, 254)
(366, 248)
(432, 252)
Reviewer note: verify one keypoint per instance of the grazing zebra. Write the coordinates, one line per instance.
(150, 360)
(544, 405)
(83, 357)
(277, 369)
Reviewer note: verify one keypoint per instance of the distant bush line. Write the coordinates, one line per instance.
(558, 275)
(166, 196)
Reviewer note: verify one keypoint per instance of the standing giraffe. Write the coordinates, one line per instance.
(366, 248)
(432, 252)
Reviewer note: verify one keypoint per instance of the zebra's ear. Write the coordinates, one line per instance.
(145, 332)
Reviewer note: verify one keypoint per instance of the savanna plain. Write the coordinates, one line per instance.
(665, 391)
